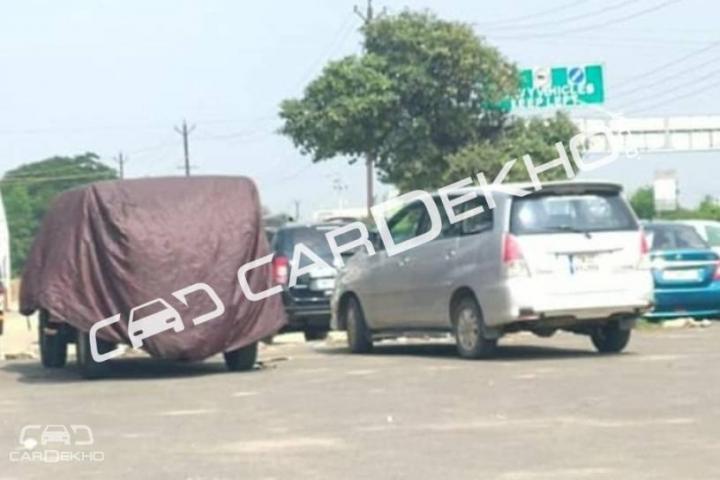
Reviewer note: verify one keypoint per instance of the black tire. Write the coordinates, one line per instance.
(359, 336)
(53, 345)
(312, 334)
(610, 338)
(87, 365)
(242, 359)
(469, 331)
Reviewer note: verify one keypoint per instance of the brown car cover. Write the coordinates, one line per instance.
(108, 247)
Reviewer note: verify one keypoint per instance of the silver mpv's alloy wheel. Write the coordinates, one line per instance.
(358, 335)
(468, 323)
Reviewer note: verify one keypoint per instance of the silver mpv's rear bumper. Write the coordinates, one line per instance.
(537, 298)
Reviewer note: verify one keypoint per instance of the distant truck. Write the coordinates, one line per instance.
(152, 263)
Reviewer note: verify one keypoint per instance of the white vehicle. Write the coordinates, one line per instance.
(708, 231)
(570, 256)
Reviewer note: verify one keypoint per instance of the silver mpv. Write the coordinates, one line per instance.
(570, 256)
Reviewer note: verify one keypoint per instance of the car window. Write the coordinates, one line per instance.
(405, 224)
(474, 224)
(312, 237)
(713, 235)
(674, 237)
(477, 223)
(447, 229)
(552, 213)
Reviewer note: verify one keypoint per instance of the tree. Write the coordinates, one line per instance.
(643, 202)
(424, 90)
(28, 191)
(535, 137)
(708, 209)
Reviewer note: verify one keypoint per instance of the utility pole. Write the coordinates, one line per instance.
(297, 210)
(367, 18)
(185, 131)
(120, 159)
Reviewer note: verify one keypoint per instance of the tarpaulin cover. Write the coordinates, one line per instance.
(108, 247)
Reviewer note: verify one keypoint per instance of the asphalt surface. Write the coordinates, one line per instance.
(545, 409)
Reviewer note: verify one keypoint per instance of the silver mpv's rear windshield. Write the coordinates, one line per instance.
(581, 213)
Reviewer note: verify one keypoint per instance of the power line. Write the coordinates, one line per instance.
(606, 23)
(666, 65)
(673, 89)
(533, 15)
(661, 80)
(593, 13)
(618, 40)
(697, 91)
(338, 38)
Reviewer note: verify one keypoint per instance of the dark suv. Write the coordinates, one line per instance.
(308, 302)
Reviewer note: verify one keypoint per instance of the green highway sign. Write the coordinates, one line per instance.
(560, 87)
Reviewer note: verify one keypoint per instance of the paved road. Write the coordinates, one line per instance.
(545, 409)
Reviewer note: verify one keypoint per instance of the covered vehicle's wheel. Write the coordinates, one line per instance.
(87, 365)
(468, 323)
(53, 345)
(610, 338)
(242, 359)
(315, 334)
(358, 334)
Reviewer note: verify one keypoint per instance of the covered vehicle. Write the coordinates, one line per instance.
(155, 261)
(685, 270)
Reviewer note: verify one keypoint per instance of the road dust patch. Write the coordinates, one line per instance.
(607, 423)
(525, 376)
(181, 413)
(244, 394)
(660, 358)
(442, 368)
(282, 445)
(312, 371)
(136, 435)
(360, 373)
(502, 422)
(569, 473)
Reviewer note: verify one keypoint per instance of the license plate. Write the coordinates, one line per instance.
(681, 275)
(323, 284)
(583, 264)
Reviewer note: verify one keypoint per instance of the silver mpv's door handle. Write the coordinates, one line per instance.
(450, 254)
(403, 261)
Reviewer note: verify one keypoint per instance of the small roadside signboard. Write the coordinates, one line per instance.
(560, 87)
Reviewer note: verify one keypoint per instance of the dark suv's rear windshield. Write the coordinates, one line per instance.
(560, 213)
(312, 237)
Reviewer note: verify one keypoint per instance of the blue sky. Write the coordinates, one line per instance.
(104, 76)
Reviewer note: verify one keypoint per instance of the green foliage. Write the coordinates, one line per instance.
(423, 92)
(643, 203)
(28, 191)
(535, 137)
(344, 112)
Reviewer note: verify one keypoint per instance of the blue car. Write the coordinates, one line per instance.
(685, 271)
